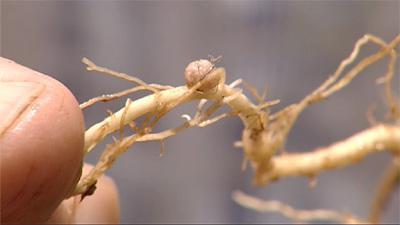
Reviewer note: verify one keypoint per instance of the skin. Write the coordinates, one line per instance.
(41, 150)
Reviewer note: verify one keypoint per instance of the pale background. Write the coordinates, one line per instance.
(291, 45)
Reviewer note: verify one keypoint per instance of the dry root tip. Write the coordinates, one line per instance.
(201, 71)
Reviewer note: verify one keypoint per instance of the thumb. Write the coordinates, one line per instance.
(41, 142)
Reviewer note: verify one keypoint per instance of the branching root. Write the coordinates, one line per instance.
(264, 133)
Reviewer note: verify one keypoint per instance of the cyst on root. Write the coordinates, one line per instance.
(201, 70)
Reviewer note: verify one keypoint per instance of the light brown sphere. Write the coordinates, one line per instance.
(200, 70)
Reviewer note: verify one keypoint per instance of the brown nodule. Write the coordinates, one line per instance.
(201, 71)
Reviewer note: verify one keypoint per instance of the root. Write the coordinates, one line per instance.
(338, 155)
(264, 133)
(300, 216)
(389, 182)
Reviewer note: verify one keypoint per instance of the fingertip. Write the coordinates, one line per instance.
(41, 143)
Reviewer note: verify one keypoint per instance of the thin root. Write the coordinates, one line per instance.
(292, 213)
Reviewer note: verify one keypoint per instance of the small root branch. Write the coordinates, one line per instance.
(296, 215)
(389, 182)
(110, 97)
(90, 66)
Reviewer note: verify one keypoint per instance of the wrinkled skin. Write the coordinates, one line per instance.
(41, 147)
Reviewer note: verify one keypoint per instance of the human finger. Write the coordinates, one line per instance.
(41, 142)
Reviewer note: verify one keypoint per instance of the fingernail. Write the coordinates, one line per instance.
(15, 98)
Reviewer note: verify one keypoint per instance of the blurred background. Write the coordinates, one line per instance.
(290, 45)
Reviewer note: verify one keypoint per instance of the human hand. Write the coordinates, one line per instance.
(41, 150)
